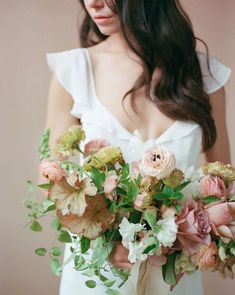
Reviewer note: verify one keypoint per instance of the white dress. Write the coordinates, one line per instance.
(74, 71)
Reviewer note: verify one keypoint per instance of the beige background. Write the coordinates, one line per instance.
(29, 29)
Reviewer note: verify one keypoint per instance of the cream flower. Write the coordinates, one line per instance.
(128, 231)
(168, 230)
(158, 162)
(136, 250)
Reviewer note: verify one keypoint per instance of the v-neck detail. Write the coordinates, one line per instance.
(114, 119)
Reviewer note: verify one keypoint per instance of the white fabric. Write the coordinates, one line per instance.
(74, 71)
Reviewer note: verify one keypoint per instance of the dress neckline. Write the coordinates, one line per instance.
(114, 119)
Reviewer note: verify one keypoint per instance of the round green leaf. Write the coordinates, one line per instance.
(90, 284)
(36, 226)
(56, 251)
(41, 251)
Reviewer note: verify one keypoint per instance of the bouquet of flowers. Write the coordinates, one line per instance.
(182, 221)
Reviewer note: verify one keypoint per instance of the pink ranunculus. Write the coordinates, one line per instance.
(52, 170)
(94, 145)
(222, 216)
(193, 228)
(139, 200)
(143, 200)
(213, 186)
(110, 183)
(158, 162)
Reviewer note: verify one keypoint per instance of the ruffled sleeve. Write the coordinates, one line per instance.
(220, 73)
(70, 69)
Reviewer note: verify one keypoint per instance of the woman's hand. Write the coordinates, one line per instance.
(119, 257)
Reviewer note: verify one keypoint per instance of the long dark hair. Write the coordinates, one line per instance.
(160, 33)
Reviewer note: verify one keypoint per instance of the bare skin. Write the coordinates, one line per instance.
(110, 59)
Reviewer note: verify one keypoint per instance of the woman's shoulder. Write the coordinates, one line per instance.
(216, 75)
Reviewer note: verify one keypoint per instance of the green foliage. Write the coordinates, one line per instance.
(210, 199)
(168, 269)
(124, 174)
(153, 247)
(55, 224)
(46, 186)
(97, 176)
(44, 150)
(90, 284)
(56, 251)
(41, 251)
(101, 251)
(135, 216)
(79, 261)
(36, 226)
(85, 244)
(182, 186)
(55, 267)
(150, 218)
(64, 237)
(112, 292)
(48, 206)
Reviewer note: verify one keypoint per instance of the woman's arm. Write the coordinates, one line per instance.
(58, 117)
(221, 150)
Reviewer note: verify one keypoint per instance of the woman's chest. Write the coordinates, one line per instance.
(112, 81)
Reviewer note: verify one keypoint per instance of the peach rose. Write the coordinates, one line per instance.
(158, 162)
(193, 228)
(51, 170)
(94, 145)
(207, 257)
(222, 216)
(213, 186)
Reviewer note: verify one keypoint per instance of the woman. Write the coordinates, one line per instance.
(145, 52)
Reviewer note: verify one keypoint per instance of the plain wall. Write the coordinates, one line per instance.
(29, 29)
